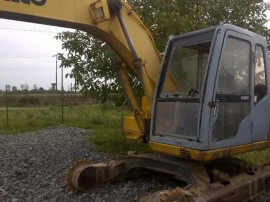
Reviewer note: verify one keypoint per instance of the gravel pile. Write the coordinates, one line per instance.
(33, 167)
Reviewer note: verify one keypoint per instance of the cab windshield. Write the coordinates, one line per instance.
(178, 105)
(185, 72)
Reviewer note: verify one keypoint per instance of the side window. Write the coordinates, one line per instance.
(260, 88)
(234, 67)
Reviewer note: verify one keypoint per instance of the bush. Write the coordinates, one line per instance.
(29, 100)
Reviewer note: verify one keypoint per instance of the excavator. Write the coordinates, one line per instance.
(206, 100)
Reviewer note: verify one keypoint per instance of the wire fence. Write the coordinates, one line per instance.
(44, 102)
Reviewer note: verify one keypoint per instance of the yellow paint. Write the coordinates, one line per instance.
(146, 107)
(99, 10)
(210, 154)
(130, 128)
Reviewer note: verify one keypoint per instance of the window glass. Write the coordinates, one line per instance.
(260, 80)
(186, 70)
(234, 67)
(233, 88)
(177, 119)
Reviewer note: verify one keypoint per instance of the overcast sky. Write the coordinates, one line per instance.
(26, 54)
(26, 51)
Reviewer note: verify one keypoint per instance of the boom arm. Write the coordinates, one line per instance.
(103, 19)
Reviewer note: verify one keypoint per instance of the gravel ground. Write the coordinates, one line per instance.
(33, 167)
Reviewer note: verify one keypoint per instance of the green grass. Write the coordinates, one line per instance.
(28, 120)
(104, 122)
(259, 158)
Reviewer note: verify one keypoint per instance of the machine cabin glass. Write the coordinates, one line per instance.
(179, 98)
(233, 88)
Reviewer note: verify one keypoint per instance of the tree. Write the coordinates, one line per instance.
(93, 68)
(7, 87)
(24, 86)
(14, 88)
(35, 86)
(173, 17)
(91, 61)
(53, 86)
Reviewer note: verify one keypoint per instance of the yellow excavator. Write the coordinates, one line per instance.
(207, 100)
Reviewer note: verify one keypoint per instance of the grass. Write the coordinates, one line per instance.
(28, 120)
(103, 121)
(259, 158)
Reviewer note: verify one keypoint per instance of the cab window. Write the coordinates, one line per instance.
(260, 88)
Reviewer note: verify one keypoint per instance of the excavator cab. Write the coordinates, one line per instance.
(212, 94)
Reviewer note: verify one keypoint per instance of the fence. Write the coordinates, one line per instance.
(44, 102)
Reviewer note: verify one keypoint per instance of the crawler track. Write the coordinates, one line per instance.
(227, 180)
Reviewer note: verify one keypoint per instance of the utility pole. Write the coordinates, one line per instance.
(62, 85)
(7, 105)
(75, 86)
(56, 65)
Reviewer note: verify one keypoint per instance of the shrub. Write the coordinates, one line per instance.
(29, 100)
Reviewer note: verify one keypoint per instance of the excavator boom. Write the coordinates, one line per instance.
(114, 22)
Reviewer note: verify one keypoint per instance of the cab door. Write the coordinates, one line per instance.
(230, 122)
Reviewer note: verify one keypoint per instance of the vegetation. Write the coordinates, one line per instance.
(173, 17)
(32, 99)
(103, 121)
(259, 158)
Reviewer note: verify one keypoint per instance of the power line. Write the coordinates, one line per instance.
(27, 54)
(10, 68)
(17, 25)
(28, 30)
(24, 57)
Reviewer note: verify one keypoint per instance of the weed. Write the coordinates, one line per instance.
(29, 115)
(259, 158)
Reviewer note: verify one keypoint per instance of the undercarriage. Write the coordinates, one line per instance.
(228, 179)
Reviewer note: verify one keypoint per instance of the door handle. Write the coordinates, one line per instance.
(213, 106)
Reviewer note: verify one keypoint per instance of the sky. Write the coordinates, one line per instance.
(26, 54)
